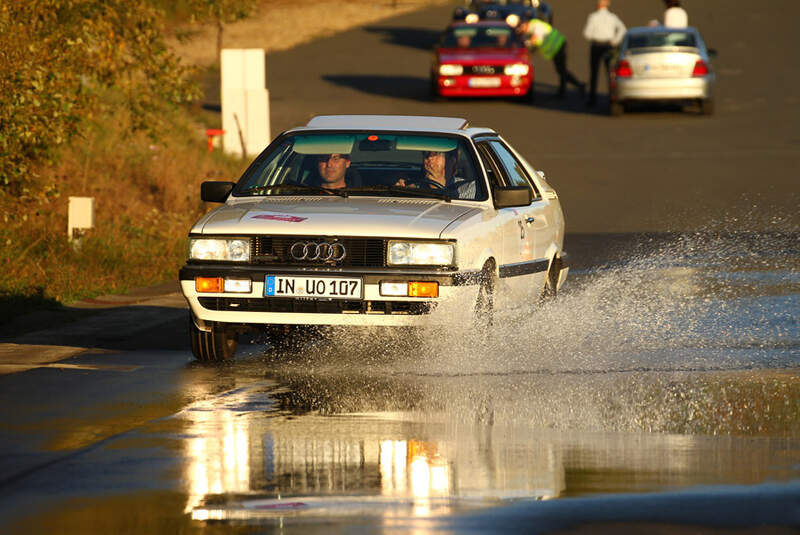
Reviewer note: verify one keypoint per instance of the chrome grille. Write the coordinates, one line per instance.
(361, 252)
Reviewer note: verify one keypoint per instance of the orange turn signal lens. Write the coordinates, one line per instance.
(208, 284)
(423, 289)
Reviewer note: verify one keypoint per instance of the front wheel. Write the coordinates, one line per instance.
(434, 91)
(484, 305)
(550, 289)
(531, 96)
(217, 345)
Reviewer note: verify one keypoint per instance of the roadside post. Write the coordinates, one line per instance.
(245, 101)
(80, 218)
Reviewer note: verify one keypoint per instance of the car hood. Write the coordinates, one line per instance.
(312, 216)
(497, 56)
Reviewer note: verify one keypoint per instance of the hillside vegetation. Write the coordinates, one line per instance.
(93, 103)
(99, 98)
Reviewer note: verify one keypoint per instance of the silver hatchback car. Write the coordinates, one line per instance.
(662, 64)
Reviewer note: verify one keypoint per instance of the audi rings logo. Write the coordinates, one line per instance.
(309, 250)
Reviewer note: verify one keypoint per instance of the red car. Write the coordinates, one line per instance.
(482, 59)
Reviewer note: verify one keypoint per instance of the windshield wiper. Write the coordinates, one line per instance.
(417, 192)
(342, 192)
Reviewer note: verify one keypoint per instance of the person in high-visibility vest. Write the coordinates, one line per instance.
(551, 45)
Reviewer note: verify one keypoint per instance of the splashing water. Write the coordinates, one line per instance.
(699, 333)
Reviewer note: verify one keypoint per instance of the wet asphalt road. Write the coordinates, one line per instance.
(664, 388)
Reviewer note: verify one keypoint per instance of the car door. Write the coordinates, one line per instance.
(533, 223)
(506, 224)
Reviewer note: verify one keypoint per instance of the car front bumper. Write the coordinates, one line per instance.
(662, 89)
(471, 86)
(254, 309)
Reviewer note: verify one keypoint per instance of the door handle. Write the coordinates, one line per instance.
(530, 220)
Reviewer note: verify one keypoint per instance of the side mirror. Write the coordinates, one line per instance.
(215, 191)
(512, 196)
(712, 52)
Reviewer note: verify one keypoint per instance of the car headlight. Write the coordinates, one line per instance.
(451, 70)
(403, 253)
(471, 18)
(517, 69)
(230, 249)
(512, 20)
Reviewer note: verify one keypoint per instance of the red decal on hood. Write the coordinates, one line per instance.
(280, 217)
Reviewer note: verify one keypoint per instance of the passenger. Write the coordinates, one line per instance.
(502, 40)
(552, 44)
(440, 175)
(332, 169)
(463, 41)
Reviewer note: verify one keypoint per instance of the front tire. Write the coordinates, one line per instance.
(217, 345)
(550, 289)
(434, 91)
(531, 96)
(484, 305)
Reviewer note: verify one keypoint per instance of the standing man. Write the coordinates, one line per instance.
(675, 16)
(604, 31)
(537, 34)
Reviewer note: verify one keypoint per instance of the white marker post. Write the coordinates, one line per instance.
(245, 101)
(80, 218)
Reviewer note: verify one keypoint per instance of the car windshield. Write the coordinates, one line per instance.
(368, 163)
(661, 39)
(481, 37)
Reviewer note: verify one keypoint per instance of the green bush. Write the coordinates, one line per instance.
(54, 57)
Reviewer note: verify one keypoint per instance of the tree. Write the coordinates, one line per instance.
(222, 12)
(57, 57)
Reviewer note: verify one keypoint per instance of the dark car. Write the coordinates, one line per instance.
(511, 11)
(482, 59)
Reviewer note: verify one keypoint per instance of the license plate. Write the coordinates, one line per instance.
(314, 287)
(486, 81)
(663, 69)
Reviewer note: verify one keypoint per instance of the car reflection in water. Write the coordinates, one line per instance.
(309, 469)
(396, 448)
(244, 464)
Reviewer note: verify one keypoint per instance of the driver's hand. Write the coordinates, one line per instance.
(403, 184)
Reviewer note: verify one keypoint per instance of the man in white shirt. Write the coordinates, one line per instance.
(675, 16)
(604, 31)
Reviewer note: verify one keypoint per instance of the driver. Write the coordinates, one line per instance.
(440, 174)
(332, 169)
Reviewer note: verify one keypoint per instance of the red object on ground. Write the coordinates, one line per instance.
(210, 133)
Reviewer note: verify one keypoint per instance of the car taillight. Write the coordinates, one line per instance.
(624, 69)
(700, 68)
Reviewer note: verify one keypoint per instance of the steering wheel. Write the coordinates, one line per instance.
(422, 181)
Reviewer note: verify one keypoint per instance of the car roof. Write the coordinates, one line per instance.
(413, 123)
(661, 29)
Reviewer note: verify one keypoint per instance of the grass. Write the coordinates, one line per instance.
(146, 191)
(147, 195)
